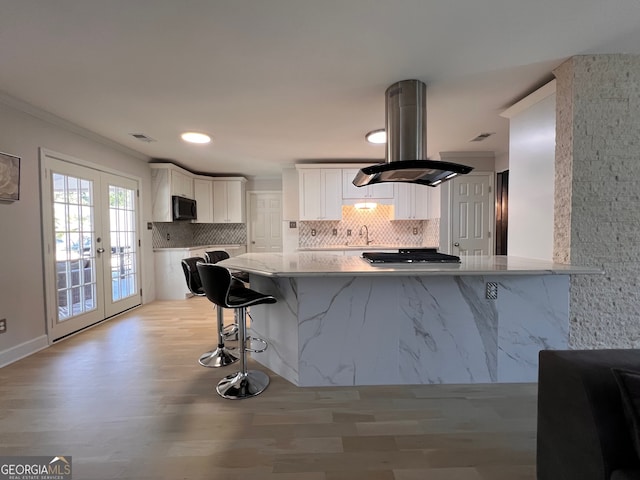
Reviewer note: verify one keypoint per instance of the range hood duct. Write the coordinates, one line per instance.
(406, 158)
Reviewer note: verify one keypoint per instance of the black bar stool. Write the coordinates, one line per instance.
(221, 355)
(219, 288)
(214, 256)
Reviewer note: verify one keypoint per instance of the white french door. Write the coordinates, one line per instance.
(90, 221)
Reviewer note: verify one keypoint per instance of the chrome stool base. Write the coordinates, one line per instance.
(220, 357)
(243, 385)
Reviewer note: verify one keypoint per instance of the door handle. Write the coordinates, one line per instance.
(100, 250)
(456, 244)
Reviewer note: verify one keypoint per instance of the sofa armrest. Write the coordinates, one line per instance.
(582, 432)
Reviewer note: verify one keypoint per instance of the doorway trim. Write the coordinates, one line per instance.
(250, 212)
(446, 210)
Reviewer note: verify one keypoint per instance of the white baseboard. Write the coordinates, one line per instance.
(23, 350)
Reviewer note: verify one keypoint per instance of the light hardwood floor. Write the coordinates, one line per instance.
(128, 400)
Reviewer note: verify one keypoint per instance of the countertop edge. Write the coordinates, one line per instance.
(309, 264)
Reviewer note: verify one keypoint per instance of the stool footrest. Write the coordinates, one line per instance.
(230, 331)
(257, 350)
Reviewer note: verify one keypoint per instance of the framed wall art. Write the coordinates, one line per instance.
(9, 177)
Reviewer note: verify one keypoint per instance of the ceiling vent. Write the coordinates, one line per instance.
(142, 137)
(482, 136)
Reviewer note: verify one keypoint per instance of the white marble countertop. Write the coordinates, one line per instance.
(325, 264)
(374, 247)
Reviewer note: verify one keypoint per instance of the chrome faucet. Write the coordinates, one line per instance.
(366, 230)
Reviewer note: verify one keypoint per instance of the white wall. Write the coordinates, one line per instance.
(532, 143)
(21, 269)
(502, 162)
(264, 183)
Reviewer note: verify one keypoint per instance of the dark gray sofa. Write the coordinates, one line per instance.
(583, 433)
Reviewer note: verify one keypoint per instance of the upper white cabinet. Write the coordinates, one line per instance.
(320, 193)
(434, 202)
(351, 192)
(416, 202)
(203, 193)
(181, 184)
(228, 200)
(167, 180)
(219, 199)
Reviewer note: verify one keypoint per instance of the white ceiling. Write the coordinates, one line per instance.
(277, 82)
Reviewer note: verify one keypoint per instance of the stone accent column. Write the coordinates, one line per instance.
(597, 196)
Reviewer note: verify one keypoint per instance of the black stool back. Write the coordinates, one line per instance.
(214, 256)
(216, 283)
(192, 276)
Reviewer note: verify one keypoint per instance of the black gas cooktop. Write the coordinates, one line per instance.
(410, 255)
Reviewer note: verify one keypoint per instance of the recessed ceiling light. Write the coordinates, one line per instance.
(377, 136)
(194, 137)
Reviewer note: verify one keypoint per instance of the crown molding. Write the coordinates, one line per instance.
(52, 119)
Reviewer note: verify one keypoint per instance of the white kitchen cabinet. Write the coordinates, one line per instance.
(320, 193)
(411, 201)
(228, 200)
(181, 184)
(203, 194)
(375, 191)
(434, 202)
(167, 180)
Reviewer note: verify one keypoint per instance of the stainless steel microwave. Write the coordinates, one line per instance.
(184, 208)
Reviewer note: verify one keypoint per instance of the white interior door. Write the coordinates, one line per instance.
(91, 245)
(472, 214)
(265, 222)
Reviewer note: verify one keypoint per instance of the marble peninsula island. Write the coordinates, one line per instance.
(340, 320)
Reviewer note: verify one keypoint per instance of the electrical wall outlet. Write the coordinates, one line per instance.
(348, 233)
(415, 230)
(3, 325)
(168, 236)
(149, 226)
(313, 232)
(292, 225)
(334, 232)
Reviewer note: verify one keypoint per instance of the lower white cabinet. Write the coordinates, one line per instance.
(170, 281)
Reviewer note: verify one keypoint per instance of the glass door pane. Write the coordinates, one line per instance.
(123, 243)
(73, 210)
(121, 268)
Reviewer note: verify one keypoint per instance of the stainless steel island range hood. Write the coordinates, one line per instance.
(406, 159)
